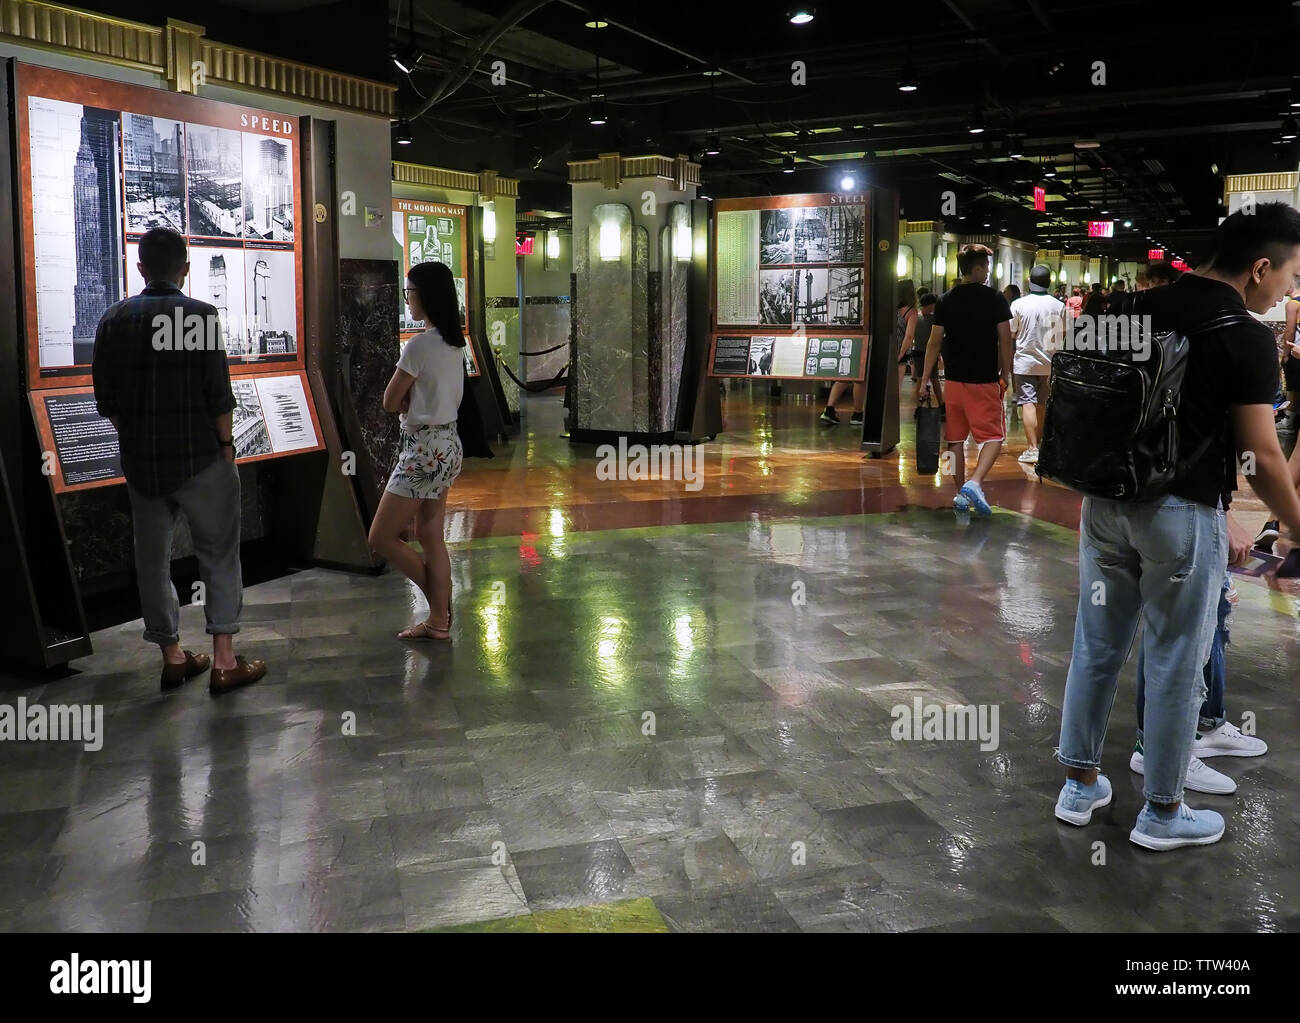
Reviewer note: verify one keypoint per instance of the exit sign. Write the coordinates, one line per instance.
(1155, 253)
(1179, 265)
(1040, 199)
(1101, 228)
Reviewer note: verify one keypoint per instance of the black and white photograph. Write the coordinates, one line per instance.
(248, 423)
(214, 170)
(810, 295)
(135, 281)
(270, 301)
(846, 295)
(760, 356)
(810, 234)
(846, 233)
(774, 299)
(776, 237)
(810, 368)
(460, 299)
(268, 189)
(846, 365)
(217, 276)
(153, 159)
(77, 221)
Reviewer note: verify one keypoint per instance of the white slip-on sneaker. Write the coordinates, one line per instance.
(1029, 456)
(1228, 741)
(1201, 777)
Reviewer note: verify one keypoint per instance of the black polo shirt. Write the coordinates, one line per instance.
(165, 398)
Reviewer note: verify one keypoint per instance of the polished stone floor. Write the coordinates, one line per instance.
(695, 712)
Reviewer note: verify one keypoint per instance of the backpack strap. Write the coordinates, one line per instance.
(1221, 320)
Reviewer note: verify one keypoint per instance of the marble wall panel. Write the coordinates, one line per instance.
(547, 323)
(607, 328)
(367, 352)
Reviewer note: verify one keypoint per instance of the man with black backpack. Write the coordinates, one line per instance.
(1154, 447)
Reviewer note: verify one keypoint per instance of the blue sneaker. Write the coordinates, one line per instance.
(1077, 801)
(974, 494)
(1184, 826)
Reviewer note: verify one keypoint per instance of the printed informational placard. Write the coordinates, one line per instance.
(101, 163)
(85, 443)
(731, 356)
(433, 232)
(788, 357)
(273, 416)
(784, 264)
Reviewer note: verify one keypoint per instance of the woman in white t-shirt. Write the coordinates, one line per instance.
(426, 389)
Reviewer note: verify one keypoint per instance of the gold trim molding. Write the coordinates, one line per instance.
(921, 226)
(611, 169)
(1278, 181)
(83, 34)
(173, 50)
(462, 181)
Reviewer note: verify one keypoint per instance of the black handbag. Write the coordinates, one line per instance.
(929, 429)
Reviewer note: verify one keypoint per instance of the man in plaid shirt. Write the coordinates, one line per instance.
(161, 376)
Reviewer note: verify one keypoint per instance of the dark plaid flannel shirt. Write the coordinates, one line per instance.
(166, 402)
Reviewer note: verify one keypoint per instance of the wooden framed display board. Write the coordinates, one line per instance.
(434, 232)
(789, 295)
(99, 164)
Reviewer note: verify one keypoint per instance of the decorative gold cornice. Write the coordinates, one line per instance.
(1277, 181)
(172, 51)
(920, 226)
(611, 169)
(464, 181)
(84, 34)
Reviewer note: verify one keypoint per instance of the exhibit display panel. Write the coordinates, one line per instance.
(99, 164)
(794, 267)
(433, 232)
(273, 416)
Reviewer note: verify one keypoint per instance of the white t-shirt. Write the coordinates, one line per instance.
(439, 371)
(1037, 321)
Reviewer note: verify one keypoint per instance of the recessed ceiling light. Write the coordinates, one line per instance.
(1289, 129)
(597, 23)
(787, 164)
(403, 134)
(801, 15)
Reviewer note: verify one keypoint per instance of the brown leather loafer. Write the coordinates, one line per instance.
(176, 675)
(245, 674)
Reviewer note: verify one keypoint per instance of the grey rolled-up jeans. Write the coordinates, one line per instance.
(210, 501)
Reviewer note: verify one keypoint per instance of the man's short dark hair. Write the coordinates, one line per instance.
(1096, 286)
(162, 251)
(927, 298)
(1161, 271)
(1119, 284)
(1271, 232)
(971, 257)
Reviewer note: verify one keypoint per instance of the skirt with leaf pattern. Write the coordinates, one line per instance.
(428, 463)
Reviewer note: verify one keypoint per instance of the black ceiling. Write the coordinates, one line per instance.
(1183, 92)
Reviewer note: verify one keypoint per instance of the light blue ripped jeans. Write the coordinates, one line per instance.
(1164, 561)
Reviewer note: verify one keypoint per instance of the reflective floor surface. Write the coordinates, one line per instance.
(695, 712)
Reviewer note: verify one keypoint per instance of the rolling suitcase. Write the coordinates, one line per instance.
(929, 429)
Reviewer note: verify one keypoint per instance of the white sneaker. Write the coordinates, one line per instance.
(1029, 456)
(1201, 777)
(1228, 741)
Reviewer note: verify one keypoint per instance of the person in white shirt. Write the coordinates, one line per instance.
(426, 389)
(1037, 325)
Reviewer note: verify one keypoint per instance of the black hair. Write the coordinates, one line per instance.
(971, 257)
(1243, 238)
(1161, 271)
(162, 251)
(1096, 286)
(906, 293)
(436, 287)
(1119, 284)
(1014, 289)
(927, 298)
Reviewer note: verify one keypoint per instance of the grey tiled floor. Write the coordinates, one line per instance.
(511, 772)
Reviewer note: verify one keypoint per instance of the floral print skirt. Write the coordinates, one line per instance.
(428, 463)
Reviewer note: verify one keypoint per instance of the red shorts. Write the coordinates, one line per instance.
(975, 410)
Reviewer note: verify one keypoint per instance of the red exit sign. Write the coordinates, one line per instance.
(1155, 253)
(1101, 229)
(1040, 199)
(1179, 265)
(524, 244)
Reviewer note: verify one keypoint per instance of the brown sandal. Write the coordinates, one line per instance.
(425, 632)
